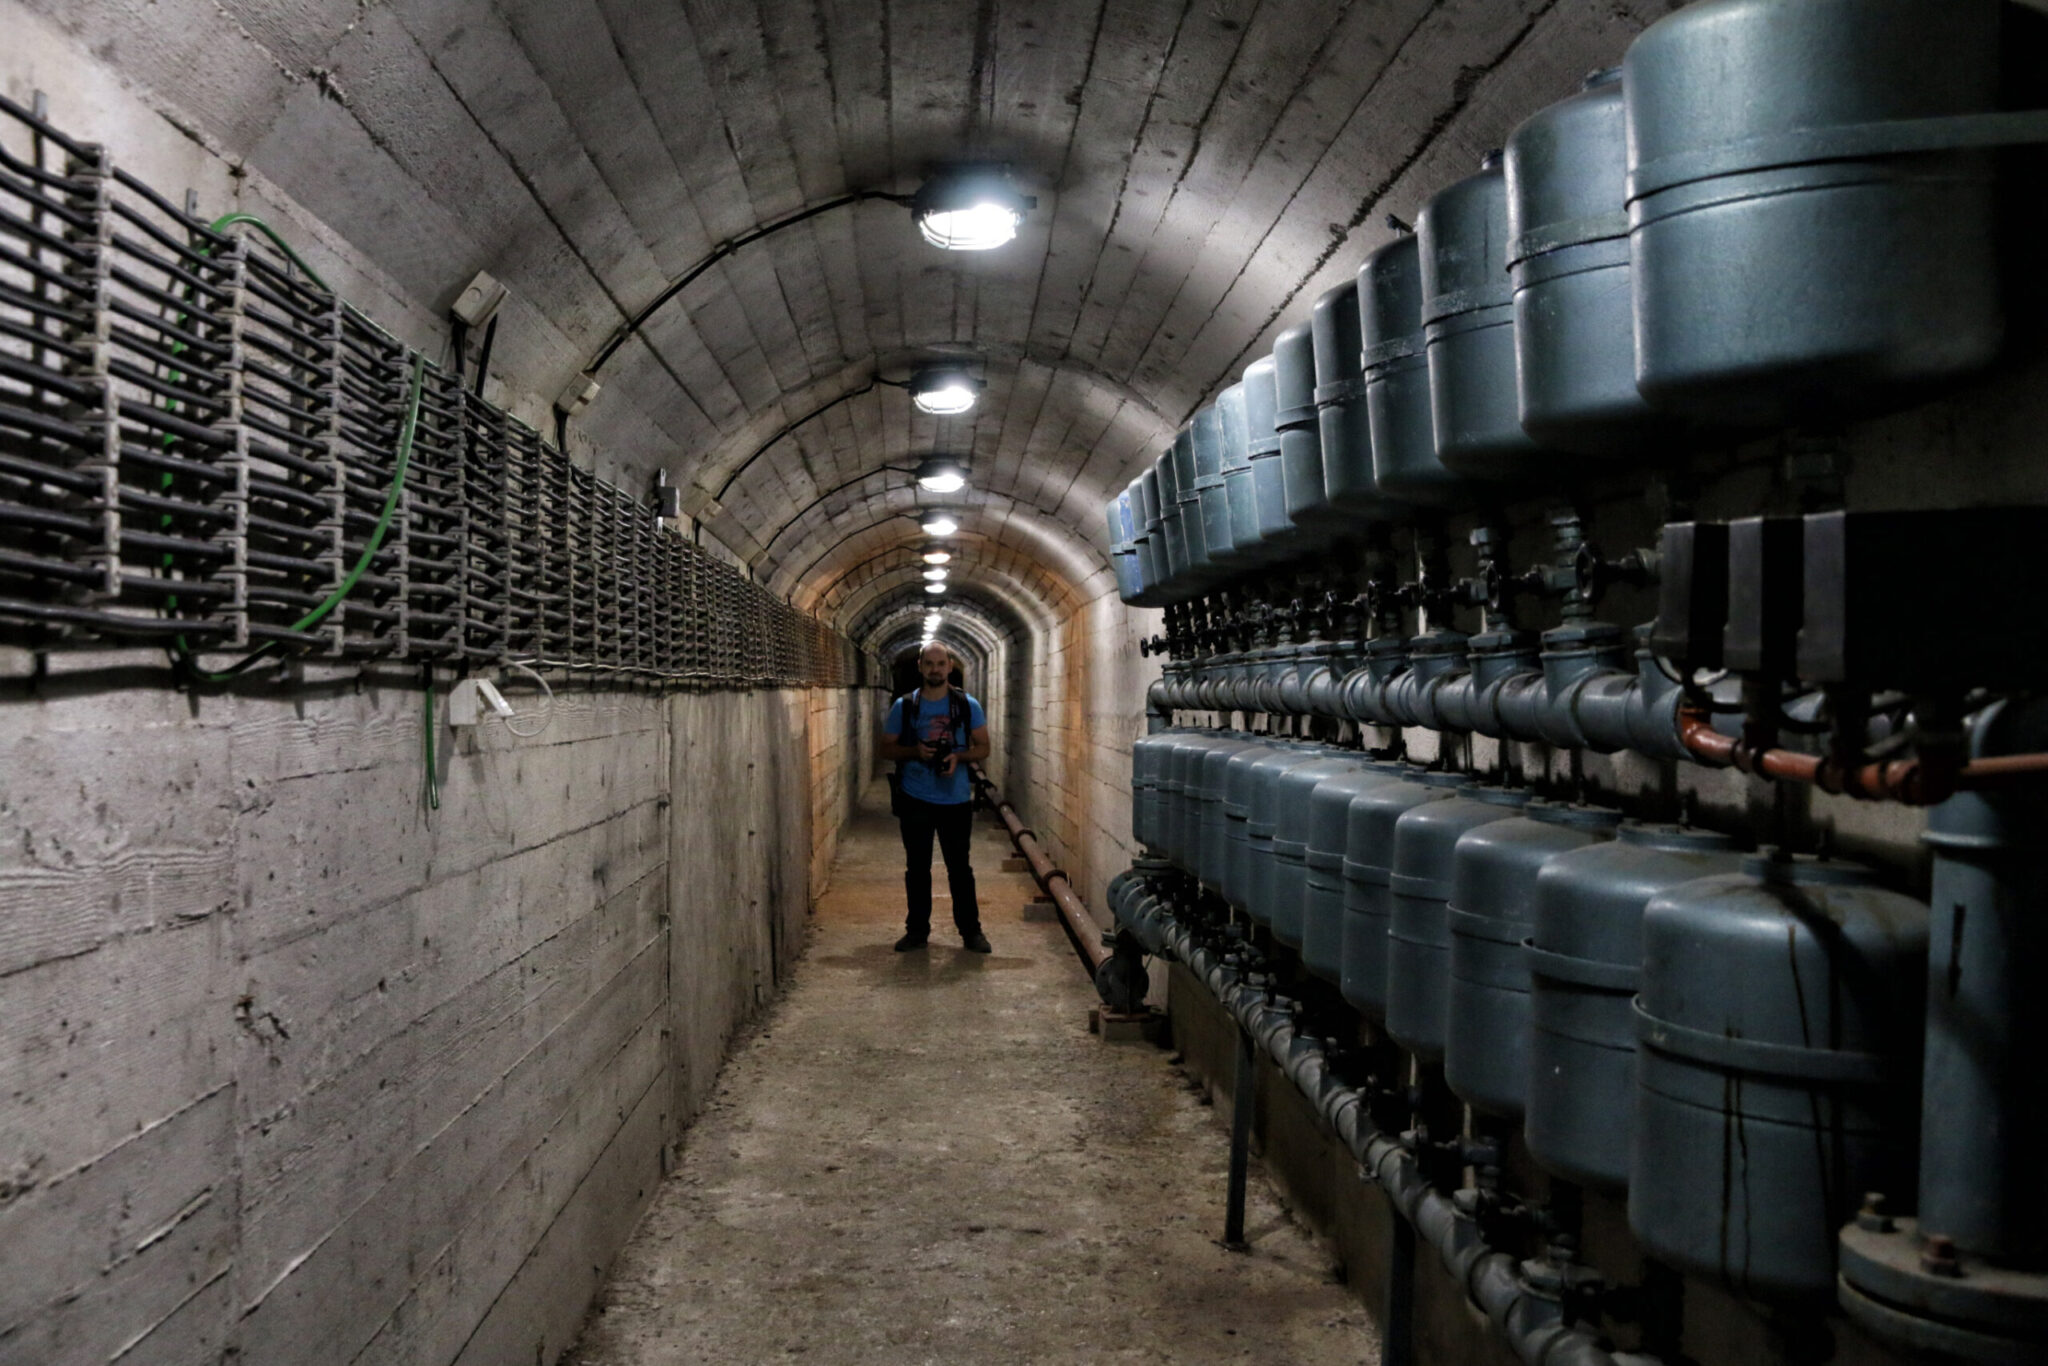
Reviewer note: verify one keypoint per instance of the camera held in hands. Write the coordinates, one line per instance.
(940, 749)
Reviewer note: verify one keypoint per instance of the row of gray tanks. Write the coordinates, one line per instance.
(1733, 1037)
(1774, 211)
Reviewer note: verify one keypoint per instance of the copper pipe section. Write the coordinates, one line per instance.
(1910, 781)
(1080, 925)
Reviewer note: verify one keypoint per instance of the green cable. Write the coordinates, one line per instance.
(182, 651)
(362, 564)
(229, 220)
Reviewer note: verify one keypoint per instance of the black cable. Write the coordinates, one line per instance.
(483, 357)
(816, 412)
(458, 343)
(723, 250)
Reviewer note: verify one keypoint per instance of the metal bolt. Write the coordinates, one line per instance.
(1872, 1217)
(1938, 1256)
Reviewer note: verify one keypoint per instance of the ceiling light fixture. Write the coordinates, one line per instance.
(934, 574)
(935, 588)
(939, 524)
(941, 475)
(969, 208)
(937, 555)
(944, 390)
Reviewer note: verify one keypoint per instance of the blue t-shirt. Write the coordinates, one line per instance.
(920, 779)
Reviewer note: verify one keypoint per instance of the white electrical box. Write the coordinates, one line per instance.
(578, 394)
(479, 299)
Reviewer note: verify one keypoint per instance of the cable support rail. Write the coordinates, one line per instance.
(203, 448)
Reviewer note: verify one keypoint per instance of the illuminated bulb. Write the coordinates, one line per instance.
(937, 556)
(940, 475)
(969, 208)
(933, 575)
(946, 400)
(939, 524)
(980, 226)
(935, 588)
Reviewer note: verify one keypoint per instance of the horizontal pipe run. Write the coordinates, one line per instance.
(1080, 925)
(1902, 780)
(1531, 1324)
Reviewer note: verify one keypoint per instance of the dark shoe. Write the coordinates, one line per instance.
(909, 942)
(975, 943)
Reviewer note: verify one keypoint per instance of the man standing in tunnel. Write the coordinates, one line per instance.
(933, 733)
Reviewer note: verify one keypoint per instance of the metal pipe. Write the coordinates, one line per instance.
(1244, 1099)
(1080, 925)
(1901, 780)
(1532, 1324)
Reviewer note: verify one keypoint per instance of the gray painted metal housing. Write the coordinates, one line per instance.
(1494, 875)
(1780, 1029)
(1798, 252)
(1419, 929)
(1585, 961)
(1468, 320)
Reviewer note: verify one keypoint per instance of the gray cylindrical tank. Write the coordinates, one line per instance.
(1468, 319)
(1419, 928)
(1395, 368)
(1193, 755)
(1206, 430)
(1786, 265)
(1172, 535)
(1150, 542)
(1263, 825)
(1169, 782)
(1293, 795)
(1262, 445)
(1188, 495)
(1301, 438)
(1585, 962)
(1779, 1026)
(1213, 832)
(1239, 493)
(1568, 255)
(1341, 421)
(1147, 754)
(1120, 554)
(1329, 829)
(1368, 871)
(1494, 872)
(1239, 775)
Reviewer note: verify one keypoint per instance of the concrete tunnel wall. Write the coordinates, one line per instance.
(295, 1070)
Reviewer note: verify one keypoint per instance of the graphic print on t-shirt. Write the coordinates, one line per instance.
(920, 779)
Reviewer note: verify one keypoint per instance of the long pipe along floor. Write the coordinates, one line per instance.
(925, 1157)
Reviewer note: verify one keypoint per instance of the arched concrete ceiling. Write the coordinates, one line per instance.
(1000, 596)
(1031, 553)
(994, 605)
(964, 632)
(1204, 169)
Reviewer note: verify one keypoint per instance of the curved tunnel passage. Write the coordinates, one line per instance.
(616, 899)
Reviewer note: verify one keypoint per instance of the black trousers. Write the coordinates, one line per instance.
(954, 825)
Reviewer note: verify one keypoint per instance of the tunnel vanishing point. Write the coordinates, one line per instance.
(1494, 539)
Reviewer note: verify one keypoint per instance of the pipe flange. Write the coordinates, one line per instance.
(1967, 1309)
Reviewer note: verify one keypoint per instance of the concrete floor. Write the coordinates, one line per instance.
(927, 1158)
